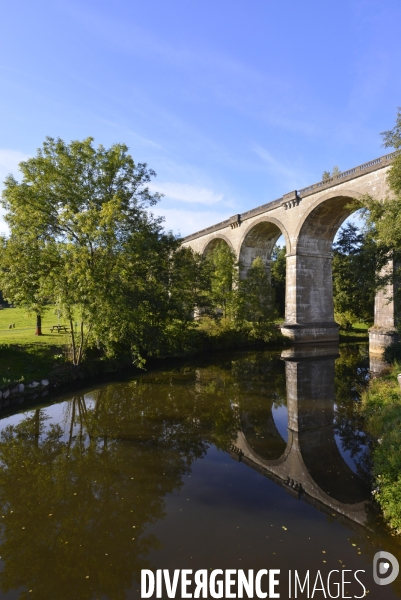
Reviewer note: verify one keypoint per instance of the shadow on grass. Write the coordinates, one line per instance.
(26, 363)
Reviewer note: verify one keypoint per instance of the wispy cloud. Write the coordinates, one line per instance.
(133, 38)
(130, 132)
(293, 177)
(185, 192)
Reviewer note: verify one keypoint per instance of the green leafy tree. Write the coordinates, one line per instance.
(79, 219)
(190, 284)
(327, 175)
(23, 260)
(256, 295)
(385, 214)
(224, 280)
(278, 276)
(392, 139)
(354, 268)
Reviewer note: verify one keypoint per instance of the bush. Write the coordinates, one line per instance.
(345, 319)
(392, 353)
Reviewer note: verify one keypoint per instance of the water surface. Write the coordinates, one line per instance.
(245, 461)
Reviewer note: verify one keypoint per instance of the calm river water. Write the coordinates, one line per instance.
(251, 460)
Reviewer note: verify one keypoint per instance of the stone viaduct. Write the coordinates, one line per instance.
(309, 465)
(309, 220)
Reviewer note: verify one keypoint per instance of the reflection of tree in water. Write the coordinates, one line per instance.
(351, 376)
(75, 509)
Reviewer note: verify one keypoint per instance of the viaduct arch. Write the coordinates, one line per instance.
(308, 219)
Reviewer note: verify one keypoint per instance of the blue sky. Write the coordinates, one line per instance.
(232, 103)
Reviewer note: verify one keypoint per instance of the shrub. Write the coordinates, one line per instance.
(392, 353)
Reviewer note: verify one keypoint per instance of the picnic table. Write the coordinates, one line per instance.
(59, 328)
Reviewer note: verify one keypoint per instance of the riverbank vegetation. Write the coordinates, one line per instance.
(381, 402)
(381, 407)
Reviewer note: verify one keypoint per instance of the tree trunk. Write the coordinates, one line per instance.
(74, 352)
(38, 325)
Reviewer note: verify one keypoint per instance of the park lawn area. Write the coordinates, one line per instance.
(361, 326)
(25, 357)
(25, 326)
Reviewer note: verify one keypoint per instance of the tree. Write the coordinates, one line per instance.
(392, 139)
(24, 258)
(386, 216)
(278, 276)
(383, 215)
(81, 234)
(224, 279)
(256, 295)
(190, 284)
(354, 269)
(327, 175)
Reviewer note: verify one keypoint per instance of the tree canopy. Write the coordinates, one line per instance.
(354, 276)
(82, 237)
(385, 213)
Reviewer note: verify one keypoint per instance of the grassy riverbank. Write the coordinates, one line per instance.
(381, 407)
(25, 357)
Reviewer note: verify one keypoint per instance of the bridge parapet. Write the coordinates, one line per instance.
(373, 165)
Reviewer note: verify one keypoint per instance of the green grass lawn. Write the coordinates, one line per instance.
(25, 327)
(25, 356)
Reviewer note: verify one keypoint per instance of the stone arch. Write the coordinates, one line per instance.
(309, 294)
(259, 239)
(212, 244)
(318, 227)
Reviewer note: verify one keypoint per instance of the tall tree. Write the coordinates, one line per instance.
(354, 268)
(383, 215)
(224, 281)
(190, 284)
(386, 216)
(256, 295)
(79, 217)
(278, 276)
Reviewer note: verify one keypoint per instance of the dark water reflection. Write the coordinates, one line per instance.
(244, 461)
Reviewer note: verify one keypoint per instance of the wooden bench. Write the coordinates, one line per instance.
(59, 328)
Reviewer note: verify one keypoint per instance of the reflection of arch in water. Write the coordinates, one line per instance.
(311, 463)
(259, 239)
(257, 434)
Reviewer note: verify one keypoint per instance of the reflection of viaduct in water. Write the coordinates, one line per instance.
(310, 464)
